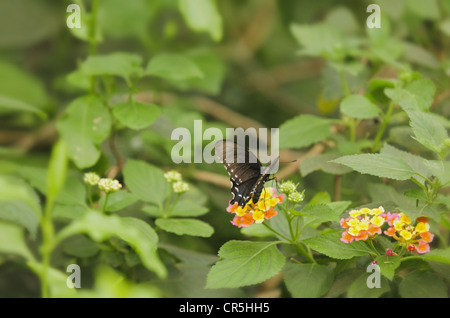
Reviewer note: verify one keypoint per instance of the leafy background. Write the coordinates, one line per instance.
(106, 98)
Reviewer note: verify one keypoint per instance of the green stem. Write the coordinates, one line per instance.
(380, 132)
(47, 245)
(306, 252)
(370, 243)
(275, 231)
(92, 37)
(105, 203)
(173, 204)
(91, 203)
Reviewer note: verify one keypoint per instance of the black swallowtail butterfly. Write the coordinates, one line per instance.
(246, 176)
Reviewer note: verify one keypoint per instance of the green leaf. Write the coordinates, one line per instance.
(57, 170)
(213, 69)
(331, 245)
(359, 106)
(83, 127)
(136, 115)
(388, 265)
(318, 213)
(444, 26)
(80, 246)
(18, 105)
(359, 288)
(320, 40)
(146, 181)
(322, 162)
(202, 16)
(138, 234)
(19, 203)
(380, 165)
(417, 163)
(308, 280)
(429, 131)
(118, 200)
(438, 255)
(387, 195)
(12, 241)
(185, 207)
(16, 84)
(416, 95)
(185, 227)
(174, 67)
(303, 131)
(422, 284)
(244, 263)
(428, 10)
(118, 63)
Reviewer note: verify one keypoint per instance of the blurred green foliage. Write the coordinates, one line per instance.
(371, 103)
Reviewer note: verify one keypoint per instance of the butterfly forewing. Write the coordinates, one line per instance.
(244, 170)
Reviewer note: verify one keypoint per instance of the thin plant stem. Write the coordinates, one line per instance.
(275, 231)
(380, 132)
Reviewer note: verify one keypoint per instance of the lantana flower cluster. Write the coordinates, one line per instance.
(175, 179)
(290, 189)
(366, 223)
(257, 212)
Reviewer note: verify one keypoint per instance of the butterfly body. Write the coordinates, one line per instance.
(247, 176)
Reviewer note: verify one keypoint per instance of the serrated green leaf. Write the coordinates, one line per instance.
(308, 280)
(138, 234)
(174, 67)
(181, 226)
(380, 165)
(136, 115)
(416, 95)
(359, 106)
(146, 181)
(331, 245)
(417, 163)
(428, 131)
(303, 131)
(244, 263)
(322, 162)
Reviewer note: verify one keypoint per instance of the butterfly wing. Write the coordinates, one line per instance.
(242, 166)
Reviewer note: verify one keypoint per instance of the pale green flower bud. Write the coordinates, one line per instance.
(296, 197)
(91, 178)
(288, 187)
(180, 187)
(109, 185)
(172, 176)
